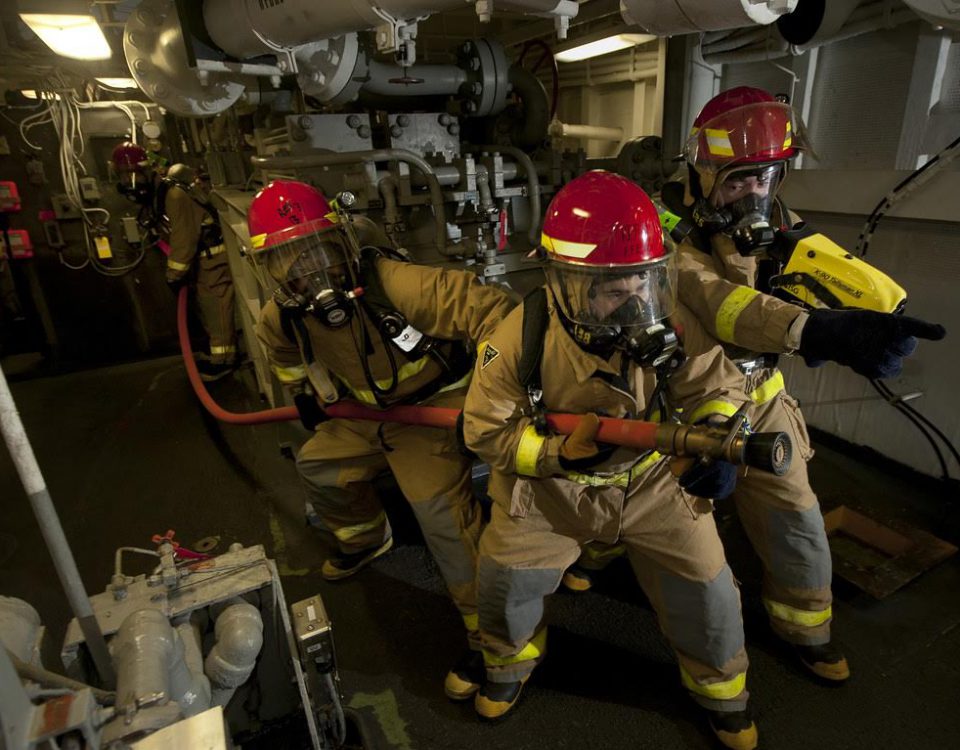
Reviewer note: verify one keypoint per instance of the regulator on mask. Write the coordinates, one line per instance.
(741, 205)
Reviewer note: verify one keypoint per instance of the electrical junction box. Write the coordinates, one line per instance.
(20, 245)
(89, 188)
(63, 208)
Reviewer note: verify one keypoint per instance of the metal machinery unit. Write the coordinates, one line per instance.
(202, 645)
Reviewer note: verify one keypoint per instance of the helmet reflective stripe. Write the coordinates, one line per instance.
(566, 247)
(257, 241)
(718, 142)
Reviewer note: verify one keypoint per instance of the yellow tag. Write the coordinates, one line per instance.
(103, 247)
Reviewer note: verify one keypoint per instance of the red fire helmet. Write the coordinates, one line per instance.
(128, 157)
(285, 210)
(602, 219)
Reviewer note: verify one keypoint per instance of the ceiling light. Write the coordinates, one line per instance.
(119, 83)
(603, 46)
(34, 94)
(79, 37)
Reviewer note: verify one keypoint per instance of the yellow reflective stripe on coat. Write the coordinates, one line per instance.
(730, 309)
(769, 389)
(230, 349)
(802, 617)
(528, 451)
(718, 691)
(471, 622)
(176, 266)
(462, 383)
(536, 648)
(216, 249)
(710, 408)
(404, 373)
(621, 479)
(346, 533)
(290, 374)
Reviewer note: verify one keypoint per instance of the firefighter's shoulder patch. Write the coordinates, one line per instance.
(489, 354)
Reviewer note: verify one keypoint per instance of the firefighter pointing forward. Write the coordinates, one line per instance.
(614, 343)
(345, 320)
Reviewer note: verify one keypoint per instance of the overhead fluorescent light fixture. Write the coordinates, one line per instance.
(119, 83)
(34, 94)
(78, 37)
(604, 46)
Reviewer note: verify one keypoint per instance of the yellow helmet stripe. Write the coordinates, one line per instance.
(256, 242)
(718, 142)
(565, 247)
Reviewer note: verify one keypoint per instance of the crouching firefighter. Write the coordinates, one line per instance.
(347, 319)
(614, 343)
(744, 245)
(198, 257)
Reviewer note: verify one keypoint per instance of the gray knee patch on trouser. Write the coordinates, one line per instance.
(702, 618)
(798, 549)
(511, 599)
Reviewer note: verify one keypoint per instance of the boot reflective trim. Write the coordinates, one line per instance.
(730, 309)
(720, 691)
(710, 408)
(603, 554)
(621, 479)
(528, 451)
(536, 648)
(472, 622)
(346, 533)
(797, 616)
(768, 390)
(290, 374)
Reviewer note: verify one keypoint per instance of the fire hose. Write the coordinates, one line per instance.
(770, 451)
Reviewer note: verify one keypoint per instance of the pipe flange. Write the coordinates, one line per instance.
(156, 54)
(332, 70)
(487, 67)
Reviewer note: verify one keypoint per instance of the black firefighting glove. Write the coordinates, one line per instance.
(713, 479)
(310, 411)
(872, 344)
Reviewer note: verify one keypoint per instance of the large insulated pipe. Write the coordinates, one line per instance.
(432, 80)
(598, 132)
(239, 633)
(383, 154)
(15, 437)
(240, 27)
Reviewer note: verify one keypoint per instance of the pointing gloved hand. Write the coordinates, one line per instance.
(310, 411)
(872, 344)
(581, 443)
(714, 479)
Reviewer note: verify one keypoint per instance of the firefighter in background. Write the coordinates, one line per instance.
(198, 257)
(346, 322)
(609, 342)
(737, 155)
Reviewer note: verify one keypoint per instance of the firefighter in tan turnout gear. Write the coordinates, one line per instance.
(350, 322)
(738, 154)
(198, 256)
(609, 333)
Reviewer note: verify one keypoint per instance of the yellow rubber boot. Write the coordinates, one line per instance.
(495, 699)
(344, 565)
(734, 729)
(577, 579)
(466, 677)
(825, 661)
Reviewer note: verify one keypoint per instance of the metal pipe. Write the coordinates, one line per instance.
(239, 633)
(383, 154)
(533, 184)
(21, 452)
(51, 679)
(598, 132)
(435, 80)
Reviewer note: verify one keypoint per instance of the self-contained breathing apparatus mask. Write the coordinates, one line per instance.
(741, 206)
(608, 309)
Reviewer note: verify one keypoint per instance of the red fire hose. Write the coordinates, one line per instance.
(769, 451)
